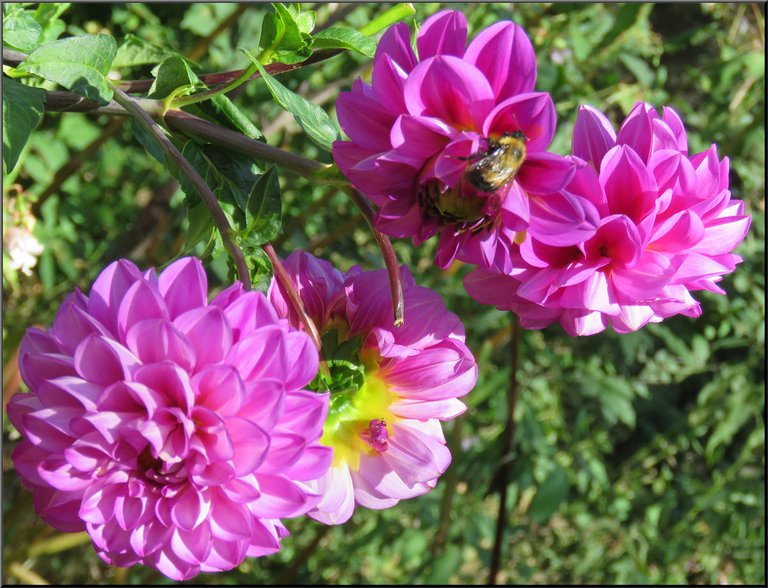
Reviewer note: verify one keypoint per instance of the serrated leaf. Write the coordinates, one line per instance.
(80, 64)
(344, 38)
(551, 494)
(171, 75)
(22, 108)
(136, 51)
(319, 127)
(21, 31)
(264, 210)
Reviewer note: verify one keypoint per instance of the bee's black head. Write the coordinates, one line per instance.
(516, 135)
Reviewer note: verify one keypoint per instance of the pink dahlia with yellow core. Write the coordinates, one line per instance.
(453, 141)
(666, 226)
(176, 432)
(390, 386)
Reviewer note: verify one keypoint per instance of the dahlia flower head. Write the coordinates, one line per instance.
(390, 386)
(177, 433)
(666, 226)
(427, 142)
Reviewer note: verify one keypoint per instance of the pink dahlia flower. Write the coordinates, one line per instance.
(454, 141)
(667, 226)
(177, 433)
(390, 387)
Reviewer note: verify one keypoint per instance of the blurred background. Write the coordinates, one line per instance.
(637, 459)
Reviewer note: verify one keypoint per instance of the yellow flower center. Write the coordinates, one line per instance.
(351, 413)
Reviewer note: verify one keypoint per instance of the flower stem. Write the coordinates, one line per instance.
(506, 448)
(289, 289)
(308, 168)
(390, 17)
(219, 218)
(449, 491)
(390, 259)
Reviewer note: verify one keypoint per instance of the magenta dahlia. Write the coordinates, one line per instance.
(390, 387)
(453, 142)
(667, 227)
(177, 433)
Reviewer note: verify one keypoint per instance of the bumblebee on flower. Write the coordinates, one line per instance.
(453, 143)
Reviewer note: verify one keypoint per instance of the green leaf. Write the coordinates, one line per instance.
(344, 38)
(147, 141)
(200, 225)
(552, 492)
(264, 209)
(203, 18)
(47, 14)
(223, 111)
(240, 173)
(137, 51)
(172, 75)
(445, 566)
(304, 19)
(285, 34)
(639, 69)
(21, 31)
(80, 64)
(313, 119)
(22, 108)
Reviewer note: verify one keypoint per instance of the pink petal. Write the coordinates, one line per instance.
(184, 286)
(505, 55)
(208, 332)
(593, 135)
(532, 113)
(141, 301)
(108, 291)
(103, 361)
(545, 173)
(280, 497)
(450, 89)
(396, 43)
(629, 187)
(155, 340)
(190, 508)
(250, 442)
(444, 33)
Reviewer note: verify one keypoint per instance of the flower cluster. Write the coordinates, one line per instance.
(390, 386)
(665, 226)
(177, 433)
(453, 142)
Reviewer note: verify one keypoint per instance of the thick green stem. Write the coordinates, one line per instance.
(388, 18)
(219, 218)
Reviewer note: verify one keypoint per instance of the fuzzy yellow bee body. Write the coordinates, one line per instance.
(495, 167)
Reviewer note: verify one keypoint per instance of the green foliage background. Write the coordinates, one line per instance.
(638, 458)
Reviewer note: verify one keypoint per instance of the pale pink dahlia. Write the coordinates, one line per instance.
(667, 227)
(390, 387)
(177, 433)
(454, 141)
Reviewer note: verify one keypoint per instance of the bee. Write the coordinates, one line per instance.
(495, 167)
